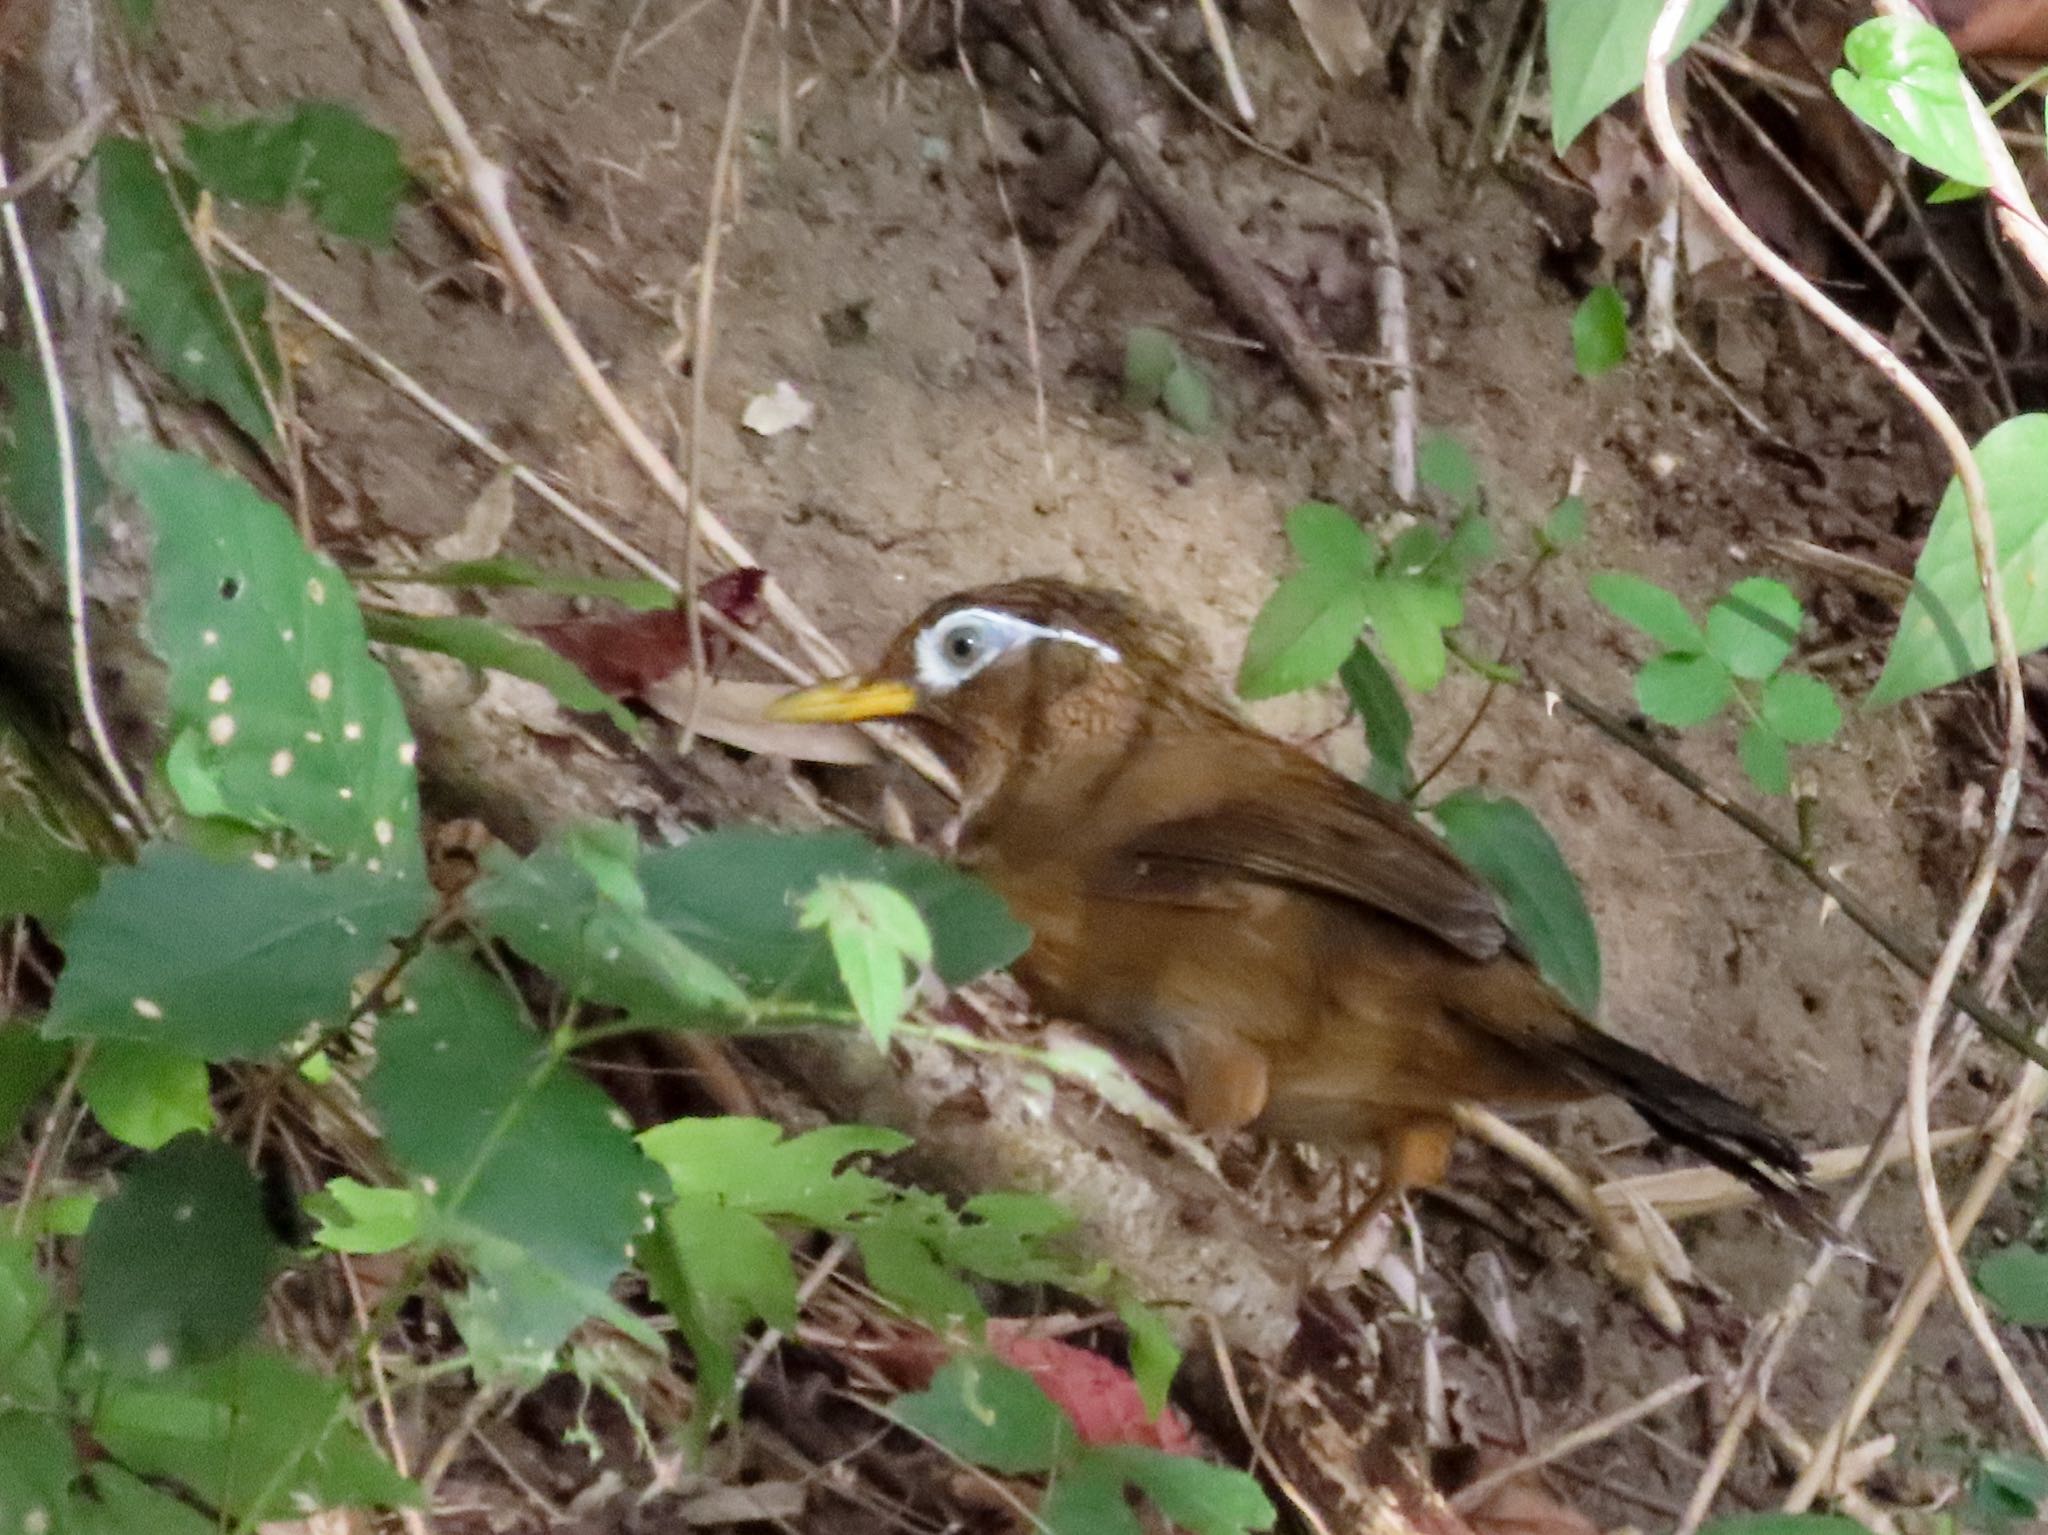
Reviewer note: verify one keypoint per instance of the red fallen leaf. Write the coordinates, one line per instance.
(626, 656)
(1100, 1398)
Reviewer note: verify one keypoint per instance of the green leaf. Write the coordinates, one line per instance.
(1087, 1498)
(1510, 849)
(28, 1064)
(1150, 356)
(1389, 729)
(2015, 1280)
(730, 895)
(32, 1326)
(1753, 629)
(481, 642)
(718, 1271)
(1599, 332)
(144, 1095)
(1444, 466)
(873, 930)
(37, 1467)
(355, 1218)
(1953, 191)
(1680, 690)
(1905, 81)
(1187, 399)
(253, 1435)
(1155, 1357)
(1764, 758)
(167, 297)
(504, 572)
(274, 697)
(1565, 526)
(1329, 538)
(526, 1162)
(1471, 545)
(1303, 633)
(174, 1266)
(220, 960)
(347, 172)
(2005, 1489)
(1648, 607)
(122, 1503)
(1410, 615)
(30, 485)
(750, 1165)
(1198, 1497)
(582, 917)
(988, 1413)
(1943, 633)
(1800, 708)
(1597, 51)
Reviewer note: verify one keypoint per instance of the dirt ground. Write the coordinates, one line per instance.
(870, 263)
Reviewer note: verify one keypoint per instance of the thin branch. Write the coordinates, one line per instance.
(73, 516)
(77, 139)
(1476, 1491)
(1934, 1001)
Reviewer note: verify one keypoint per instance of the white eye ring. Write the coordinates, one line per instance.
(968, 640)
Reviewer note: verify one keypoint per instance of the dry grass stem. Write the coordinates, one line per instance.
(1475, 1492)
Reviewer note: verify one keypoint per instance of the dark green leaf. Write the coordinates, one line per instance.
(1389, 729)
(1905, 81)
(1800, 708)
(1753, 629)
(1599, 332)
(2005, 1489)
(2015, 1280)
(505, 572)
(1150, 356)
(30, 483)
(253, 1435)
(1649, 607)
(590, 931)
(31, 1332)
(37, 1467)
(1764, 758)
(1329, 538)
(1187, 399)
(123, 1504)
(1943, 633)
(347, 172)
(1680, 690)
(481, 642)
(1087, 1498)
(1471, 545)
(1597, 51)
(174, 1266)
(1198, 1497)
(1510, 849)
(144, 1095)
(524, 1159)
(1444, 466)
(221, 960)
(277, 706)
(1155, 1357)
(730, 895)
(988, 1413)
(28, 1064)
(168, 298)
(1303, 633)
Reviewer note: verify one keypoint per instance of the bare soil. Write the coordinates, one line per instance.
(869, 262)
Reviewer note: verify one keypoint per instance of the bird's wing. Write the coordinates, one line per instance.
(1306, 828)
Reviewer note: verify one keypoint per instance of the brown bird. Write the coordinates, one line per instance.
(1313, 963)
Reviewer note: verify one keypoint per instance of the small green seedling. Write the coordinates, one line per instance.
(1157, 375)
(1738, 658)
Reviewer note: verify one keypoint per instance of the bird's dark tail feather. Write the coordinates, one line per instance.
(1691, 1114)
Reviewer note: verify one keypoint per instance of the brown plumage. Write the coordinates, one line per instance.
(1313, 963)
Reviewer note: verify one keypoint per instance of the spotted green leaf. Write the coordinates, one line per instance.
(282, 719)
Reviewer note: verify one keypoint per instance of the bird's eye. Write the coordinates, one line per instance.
(962, 644)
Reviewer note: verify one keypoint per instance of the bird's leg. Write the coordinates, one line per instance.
(1413, 1154)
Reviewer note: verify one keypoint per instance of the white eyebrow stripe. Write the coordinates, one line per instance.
(932, 673)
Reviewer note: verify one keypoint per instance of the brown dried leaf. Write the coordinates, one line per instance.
(732, 713)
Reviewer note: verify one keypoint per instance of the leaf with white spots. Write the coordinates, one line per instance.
(224, 961)
(280, 716)
(174, 1266)
(255, 1437)
(529, 1170)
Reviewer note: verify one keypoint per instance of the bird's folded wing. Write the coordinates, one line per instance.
(1312, 831)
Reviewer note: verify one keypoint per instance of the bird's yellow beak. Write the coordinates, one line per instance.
(843, 701)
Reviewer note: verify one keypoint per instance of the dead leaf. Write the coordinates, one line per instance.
(484, 524)
(1099, 1397)
(1524, 1507)
(732, 713)
(1338, 35)
(626, 656)
(744, 1505)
